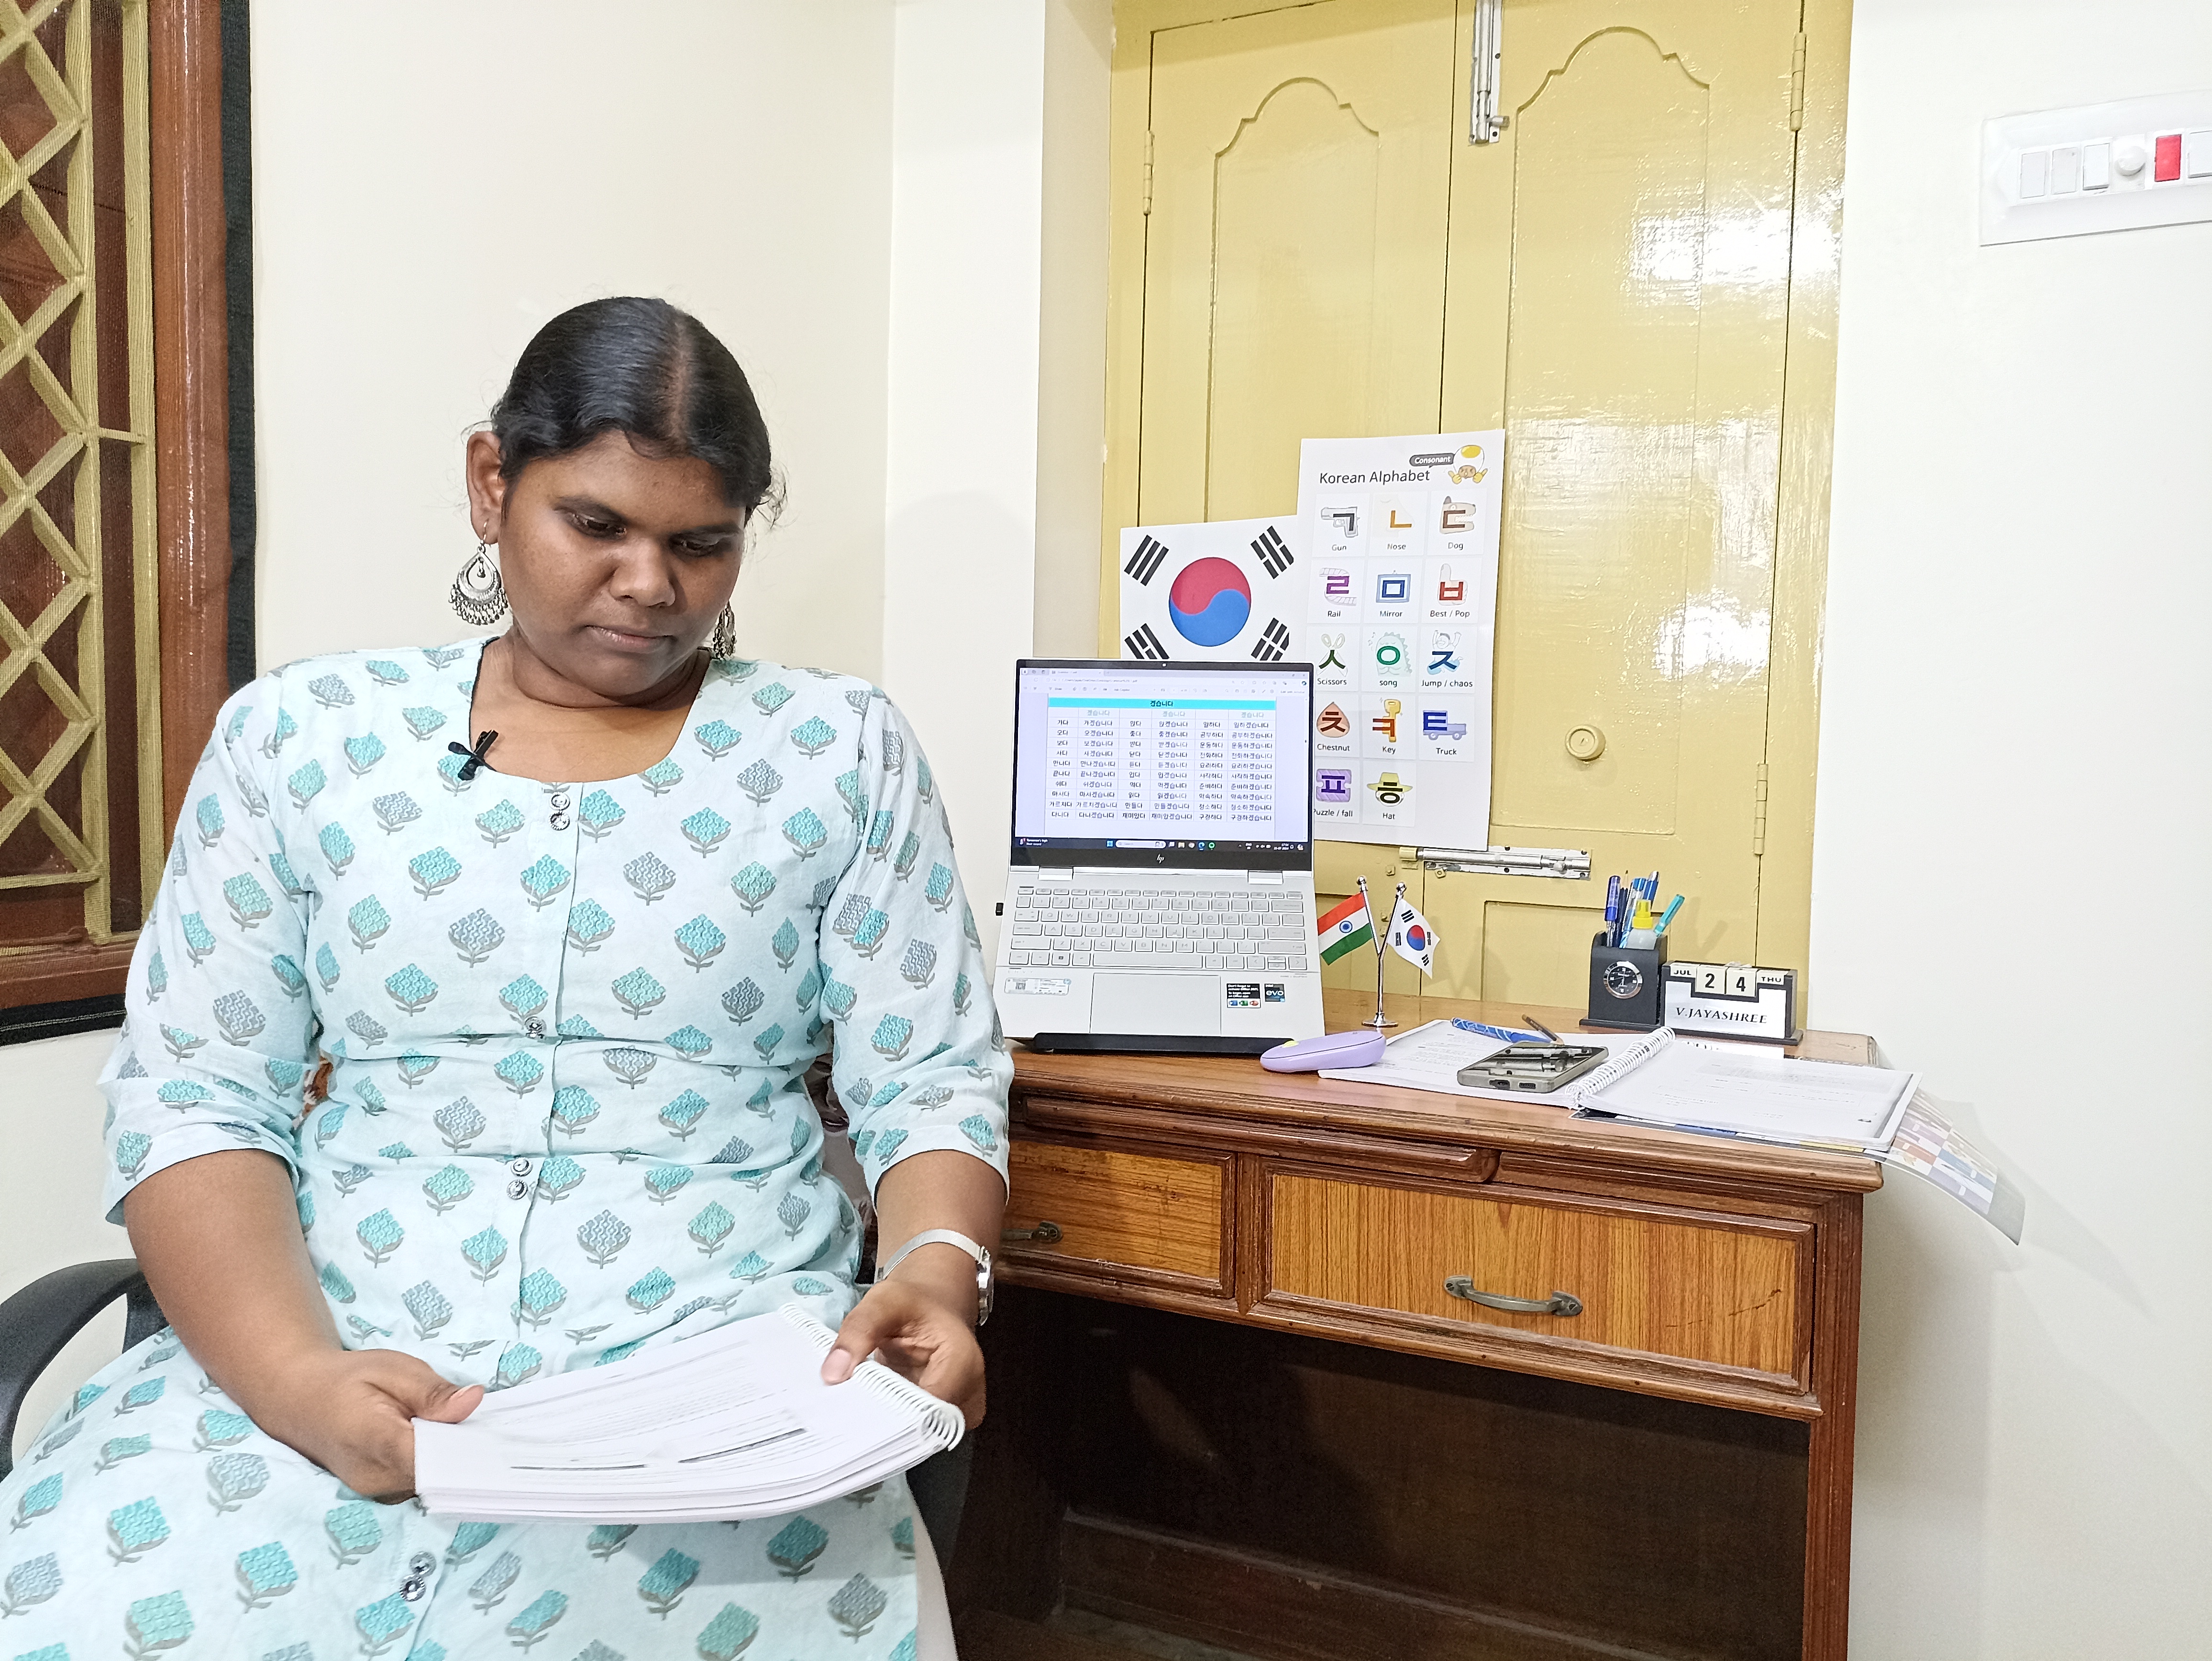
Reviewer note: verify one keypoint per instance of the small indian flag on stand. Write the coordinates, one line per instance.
(1346, 928)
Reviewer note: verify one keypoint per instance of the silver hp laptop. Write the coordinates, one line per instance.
(1161, 897)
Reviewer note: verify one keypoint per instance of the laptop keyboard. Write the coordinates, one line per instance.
(1155, 928)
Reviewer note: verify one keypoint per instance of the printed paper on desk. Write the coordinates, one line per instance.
(1401, 535)
(1233, 590)
(1430, 1056)
(1740, 1090)
(1928, 1145)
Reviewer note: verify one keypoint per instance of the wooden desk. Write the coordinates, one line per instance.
(1336, 1458)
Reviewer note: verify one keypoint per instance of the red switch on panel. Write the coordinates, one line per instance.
(2167, 167)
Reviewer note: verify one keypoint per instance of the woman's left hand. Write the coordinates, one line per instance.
(915, 1330)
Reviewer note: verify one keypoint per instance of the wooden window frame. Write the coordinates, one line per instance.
(191, 465)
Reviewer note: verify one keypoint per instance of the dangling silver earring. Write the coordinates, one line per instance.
(479, 595)
(724, 640)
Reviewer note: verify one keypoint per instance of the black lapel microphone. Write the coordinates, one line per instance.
(476, 756)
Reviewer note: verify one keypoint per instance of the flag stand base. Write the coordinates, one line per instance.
(1382, 1022)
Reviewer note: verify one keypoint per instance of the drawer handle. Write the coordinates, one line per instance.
(1559, 1303)
(1045, 1233)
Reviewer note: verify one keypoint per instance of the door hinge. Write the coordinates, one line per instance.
(1759, 813)
(1797, 82)
(1148, 172)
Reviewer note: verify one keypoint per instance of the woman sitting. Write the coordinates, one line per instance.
(454, 1064)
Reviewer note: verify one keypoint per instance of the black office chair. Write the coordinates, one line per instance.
(53, 1309)
(38, 1321)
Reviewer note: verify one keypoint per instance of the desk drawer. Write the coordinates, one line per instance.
(1117, 1206)
(1699, 1286)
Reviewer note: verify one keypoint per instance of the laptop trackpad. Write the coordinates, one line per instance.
(1187, 1005)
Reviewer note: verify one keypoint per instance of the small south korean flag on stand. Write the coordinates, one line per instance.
(1411, 938)
(1232, 591)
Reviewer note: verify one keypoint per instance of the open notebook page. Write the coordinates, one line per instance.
(1691, 1085)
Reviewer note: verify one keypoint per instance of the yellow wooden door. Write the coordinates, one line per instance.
(1618, 301)
(1321, 252)
(1294, 252)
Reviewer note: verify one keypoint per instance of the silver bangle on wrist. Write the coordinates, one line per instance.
(952, 1238)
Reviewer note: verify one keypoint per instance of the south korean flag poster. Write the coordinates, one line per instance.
(1233, 591)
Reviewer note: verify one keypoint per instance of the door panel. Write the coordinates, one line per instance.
(1540, 953)
(1295, 249)
(1620, 283)
(1325, 253)
(1601, 344)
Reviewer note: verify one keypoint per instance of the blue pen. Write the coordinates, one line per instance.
(1673, 906)
(1504, 1032)
(1612, 907)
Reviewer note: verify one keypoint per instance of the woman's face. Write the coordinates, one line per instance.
(615, 564)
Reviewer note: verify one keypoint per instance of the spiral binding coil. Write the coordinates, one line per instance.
(940, 1418)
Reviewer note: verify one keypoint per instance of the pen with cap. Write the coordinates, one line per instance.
(1485, 1030)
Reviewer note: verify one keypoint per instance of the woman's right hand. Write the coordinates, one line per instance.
(264, 1331)
(351, 1410)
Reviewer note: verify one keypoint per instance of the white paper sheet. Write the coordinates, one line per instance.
(1430, 1056)
(1690, 1084)
(734, 1423)
(1929, 1146)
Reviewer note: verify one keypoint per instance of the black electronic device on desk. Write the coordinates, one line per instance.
(1628, 958)
(1534, 1069)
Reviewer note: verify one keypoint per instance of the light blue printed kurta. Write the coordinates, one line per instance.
(566, 1118)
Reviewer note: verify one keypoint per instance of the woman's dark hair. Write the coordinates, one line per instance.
(642, 367)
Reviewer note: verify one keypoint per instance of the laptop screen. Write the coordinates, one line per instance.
(1193, 764)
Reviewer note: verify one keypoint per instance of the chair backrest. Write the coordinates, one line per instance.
(38, 1321)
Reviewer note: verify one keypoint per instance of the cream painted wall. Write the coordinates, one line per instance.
(1078, 50)
(430, 188)
(2013, 704)
(961, 504)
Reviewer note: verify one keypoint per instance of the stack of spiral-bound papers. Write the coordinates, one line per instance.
(734, 1423)
(1734, 1090)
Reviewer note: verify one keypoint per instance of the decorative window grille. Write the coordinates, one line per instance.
(81, 819)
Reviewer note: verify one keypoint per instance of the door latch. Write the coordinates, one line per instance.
(1484, 122)
(1573, 864)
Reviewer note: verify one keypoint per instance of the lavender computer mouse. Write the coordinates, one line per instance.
(1361, 1048)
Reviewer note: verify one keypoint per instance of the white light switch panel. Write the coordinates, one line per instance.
(2117, 166)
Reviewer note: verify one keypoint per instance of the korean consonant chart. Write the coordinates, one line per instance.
(1403, 534)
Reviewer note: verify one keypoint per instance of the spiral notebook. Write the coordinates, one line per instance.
(734, 1423)
(1734, 1090)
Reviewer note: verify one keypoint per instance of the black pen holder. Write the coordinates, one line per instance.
(1626, 987)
